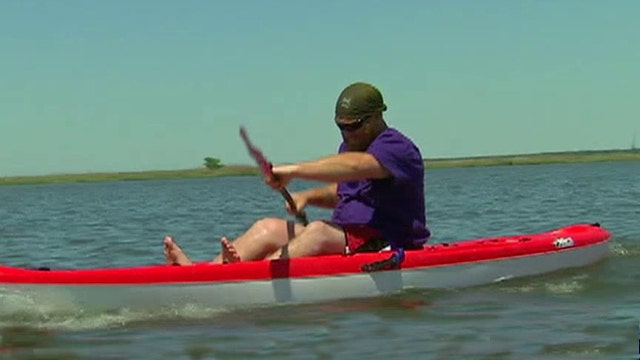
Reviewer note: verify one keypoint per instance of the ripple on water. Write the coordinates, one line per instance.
(20, 310)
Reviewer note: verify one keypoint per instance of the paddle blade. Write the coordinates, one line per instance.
(256, 154)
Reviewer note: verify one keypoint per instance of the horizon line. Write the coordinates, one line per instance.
(439, 159)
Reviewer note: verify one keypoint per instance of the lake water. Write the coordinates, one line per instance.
(587, 313)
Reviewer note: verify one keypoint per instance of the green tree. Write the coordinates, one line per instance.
(212, 163)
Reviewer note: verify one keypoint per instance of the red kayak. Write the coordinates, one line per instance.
(446, 265)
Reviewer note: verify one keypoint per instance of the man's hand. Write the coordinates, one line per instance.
(280, 176)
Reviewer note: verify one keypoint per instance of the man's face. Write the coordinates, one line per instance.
(355, 131)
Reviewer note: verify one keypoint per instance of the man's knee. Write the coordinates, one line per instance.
(275, 232)
(270, 225)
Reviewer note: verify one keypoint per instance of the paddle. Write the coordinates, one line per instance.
(265, 167)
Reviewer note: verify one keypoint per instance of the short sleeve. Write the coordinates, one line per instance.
(398, 155)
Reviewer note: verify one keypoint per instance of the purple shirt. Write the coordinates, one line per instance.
(394, 206)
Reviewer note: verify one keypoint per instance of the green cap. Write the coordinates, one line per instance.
(359, 99)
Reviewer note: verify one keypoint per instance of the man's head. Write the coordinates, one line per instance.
(359, 115)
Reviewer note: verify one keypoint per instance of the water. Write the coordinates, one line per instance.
(586, 313)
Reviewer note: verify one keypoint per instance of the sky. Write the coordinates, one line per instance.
(101, 86)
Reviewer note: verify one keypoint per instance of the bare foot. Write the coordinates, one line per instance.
(229, 252)
(173, 253)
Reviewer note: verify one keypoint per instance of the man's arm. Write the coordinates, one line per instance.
(326, 197)
(346, 166)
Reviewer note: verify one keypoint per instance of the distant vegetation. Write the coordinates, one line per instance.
(232, 170)
(212, 163)
(214, 167)
(537, 159)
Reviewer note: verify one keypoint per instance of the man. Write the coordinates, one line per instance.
(376, 188)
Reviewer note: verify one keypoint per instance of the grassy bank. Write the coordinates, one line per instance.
(537, 159)
(233, 170)
(241, 170)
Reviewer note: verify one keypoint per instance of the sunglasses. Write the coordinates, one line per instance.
(353, 126)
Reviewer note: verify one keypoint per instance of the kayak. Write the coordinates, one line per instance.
(320, 278)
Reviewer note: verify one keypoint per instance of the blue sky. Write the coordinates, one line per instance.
(90, 86)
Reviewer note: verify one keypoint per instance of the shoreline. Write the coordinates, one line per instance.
(565, 157)
(248, 170)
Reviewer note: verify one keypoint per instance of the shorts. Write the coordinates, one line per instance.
(362, 238)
